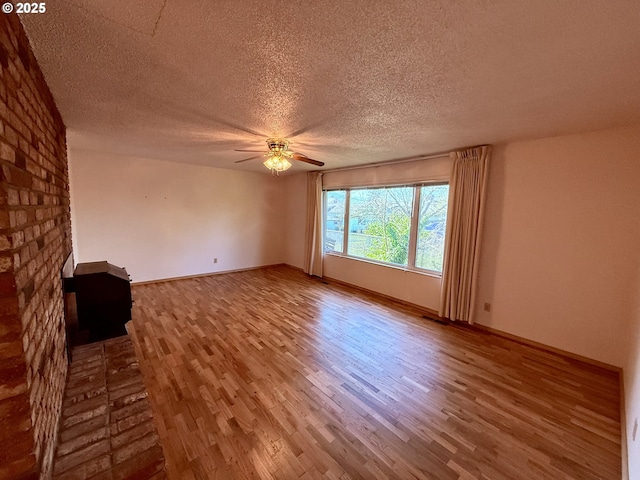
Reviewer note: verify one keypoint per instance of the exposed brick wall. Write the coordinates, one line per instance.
(35, 238)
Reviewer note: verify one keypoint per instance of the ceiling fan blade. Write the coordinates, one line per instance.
(304, 158)
(253, 151)
(239, 127)
(247, 159)
(306, 128)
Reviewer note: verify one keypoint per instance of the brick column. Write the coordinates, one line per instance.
(35, 238)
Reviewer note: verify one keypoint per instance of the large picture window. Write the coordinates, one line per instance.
(381, 225)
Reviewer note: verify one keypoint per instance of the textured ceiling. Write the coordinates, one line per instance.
(348, 82)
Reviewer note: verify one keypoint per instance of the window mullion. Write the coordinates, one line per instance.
(413, 231)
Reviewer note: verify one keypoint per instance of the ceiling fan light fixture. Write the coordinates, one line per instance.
(278, 155)
(276, 162)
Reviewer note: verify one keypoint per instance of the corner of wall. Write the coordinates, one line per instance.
(296, 211)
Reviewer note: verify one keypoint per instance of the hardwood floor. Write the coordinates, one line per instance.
(270, 374)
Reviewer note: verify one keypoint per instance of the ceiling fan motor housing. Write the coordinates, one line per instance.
(278, 144)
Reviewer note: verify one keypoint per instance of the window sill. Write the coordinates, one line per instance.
(426, 273)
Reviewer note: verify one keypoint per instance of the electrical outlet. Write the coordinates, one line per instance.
(215, 260)
(487, 307)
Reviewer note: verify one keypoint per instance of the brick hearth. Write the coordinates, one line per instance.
(107, 429)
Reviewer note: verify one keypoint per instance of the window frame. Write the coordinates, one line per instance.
(413, 230)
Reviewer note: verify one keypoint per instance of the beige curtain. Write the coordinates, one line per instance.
(313, 232)
(467, 193)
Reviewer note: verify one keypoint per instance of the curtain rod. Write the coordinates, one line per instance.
(388, 162)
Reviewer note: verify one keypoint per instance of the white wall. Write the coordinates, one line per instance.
(416, 288)
(163, 219)
(562, 227)
(632, 387)
(296, 216)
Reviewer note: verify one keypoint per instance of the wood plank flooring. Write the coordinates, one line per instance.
(269, 374)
